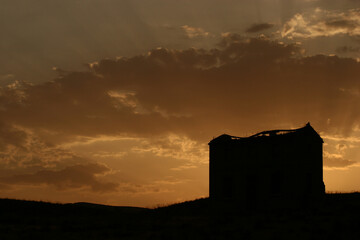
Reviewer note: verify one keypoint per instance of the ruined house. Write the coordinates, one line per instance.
(272, 167)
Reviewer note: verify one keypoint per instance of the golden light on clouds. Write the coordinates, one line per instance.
(193, 32)
(320, 22)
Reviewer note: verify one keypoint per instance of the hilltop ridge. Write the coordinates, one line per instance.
(338, 216)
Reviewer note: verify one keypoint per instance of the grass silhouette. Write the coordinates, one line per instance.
(337, 217)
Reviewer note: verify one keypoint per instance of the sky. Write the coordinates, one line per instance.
(114, 102)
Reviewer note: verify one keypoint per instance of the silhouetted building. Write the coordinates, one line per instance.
(277, 167)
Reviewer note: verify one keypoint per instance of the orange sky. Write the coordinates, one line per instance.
(138, 89)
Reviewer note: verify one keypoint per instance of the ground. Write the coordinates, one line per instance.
(338, 217)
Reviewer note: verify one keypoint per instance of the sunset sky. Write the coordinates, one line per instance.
(114, 101)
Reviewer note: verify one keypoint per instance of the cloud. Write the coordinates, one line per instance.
(341, 147)
(194, 32)
(24, 151)
(336, 161)
(184, 167)
(71, 177)
(341, 24)
(175, 147)
(348, 49)
(11, 136)
(319, 23)
(338, 138)
(259, 27)
(194, 92)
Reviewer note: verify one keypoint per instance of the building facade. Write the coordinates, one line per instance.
(282, 167)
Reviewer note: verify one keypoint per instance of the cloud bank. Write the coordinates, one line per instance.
(242, 86)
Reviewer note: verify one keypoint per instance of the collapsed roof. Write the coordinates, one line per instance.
(267, 134)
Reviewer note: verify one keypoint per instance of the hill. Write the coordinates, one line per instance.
(337, 217)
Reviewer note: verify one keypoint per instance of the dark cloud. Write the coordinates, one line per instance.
(243, 85)
(77, 176)
(341, 24)
(348, 49)
(259, 27)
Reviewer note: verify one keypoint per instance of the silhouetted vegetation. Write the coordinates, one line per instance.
(338, 217)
